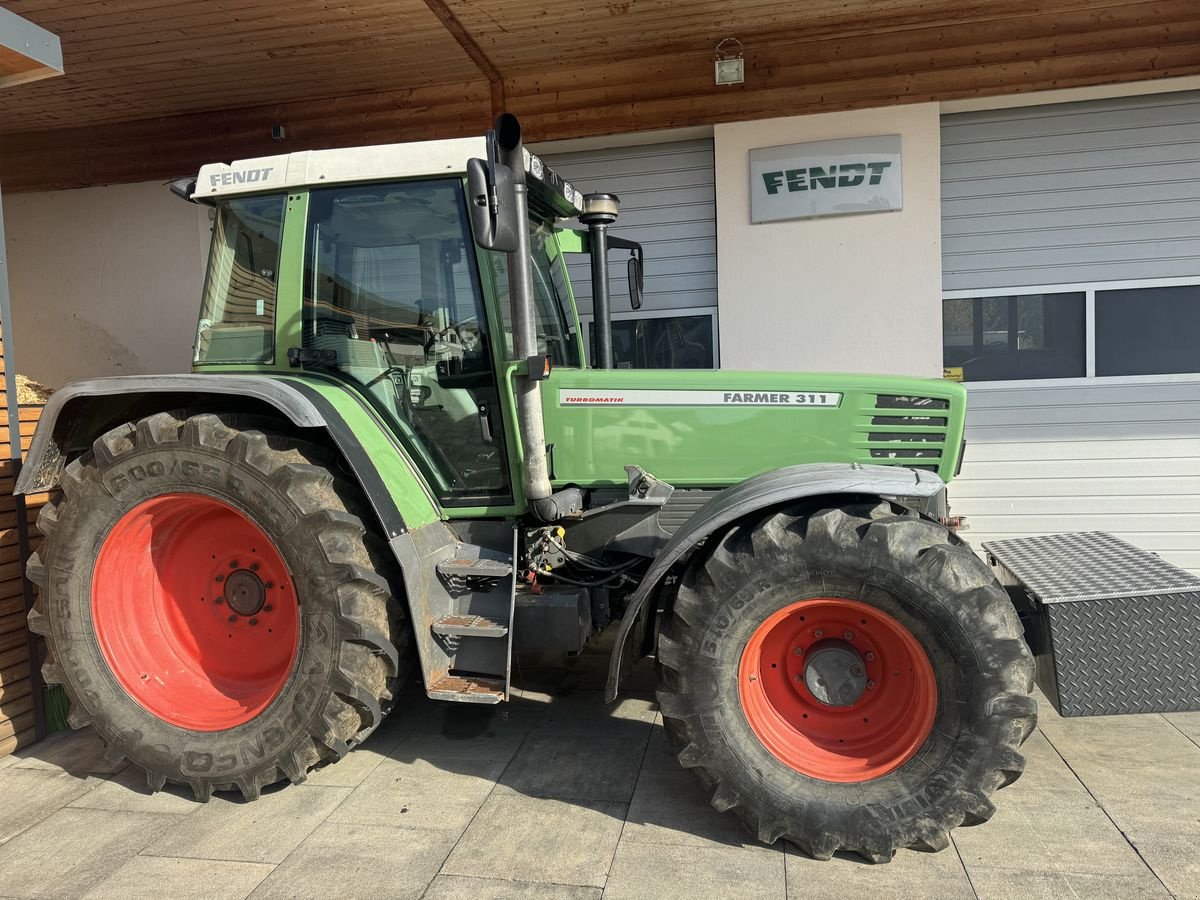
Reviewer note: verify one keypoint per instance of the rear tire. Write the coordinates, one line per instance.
(919, 622)
(213, 606)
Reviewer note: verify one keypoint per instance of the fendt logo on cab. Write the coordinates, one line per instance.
(840, 176)
(240, 176)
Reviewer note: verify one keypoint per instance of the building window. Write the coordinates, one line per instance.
(1148, 331)
(1016, 337)
(668, 342)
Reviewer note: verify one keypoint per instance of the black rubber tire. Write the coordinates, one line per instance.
(909, 567)
(354, 642)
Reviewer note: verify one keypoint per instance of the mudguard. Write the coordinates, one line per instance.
(305, 405)
(761, 492)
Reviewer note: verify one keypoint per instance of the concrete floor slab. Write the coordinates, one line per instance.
(910, 876)
(672, 807)
(264, 831)
(73, 850)
(27, 796)
(127, 792)
(540, 840)
(156, 877)
(348, 860)
(443, 796)
(461, 887)
(991, 883)
(74, 752)
(669, 872)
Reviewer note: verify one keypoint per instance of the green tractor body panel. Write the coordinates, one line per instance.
(669, 423)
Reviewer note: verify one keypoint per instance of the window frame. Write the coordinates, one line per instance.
(1089, 290)
(587, 321)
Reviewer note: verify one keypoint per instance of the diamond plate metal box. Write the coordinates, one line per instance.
(1114, 629)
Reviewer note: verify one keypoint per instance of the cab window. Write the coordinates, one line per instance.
(237, 317)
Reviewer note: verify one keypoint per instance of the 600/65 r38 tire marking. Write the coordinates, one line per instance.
(170, 536)
(903, 607)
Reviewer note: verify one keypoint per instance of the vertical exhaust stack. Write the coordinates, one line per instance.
(520, 291)
(600, 211)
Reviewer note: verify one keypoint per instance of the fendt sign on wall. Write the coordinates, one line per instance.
(826, 178)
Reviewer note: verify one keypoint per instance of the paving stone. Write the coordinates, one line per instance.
(72, 851)
(671, 807)
(127, 792)
(909, 875)
(1166, 832)
(459, 887)
(465, 731)
(601, 763)
(667, 872)
(1188, 723)
(532, 839)
(587, 710)
(29, 795)
(264, 831)
(348, 860)
(993, 883)
(658, 751)
(441, 795)
(155, 877)
(75, 752)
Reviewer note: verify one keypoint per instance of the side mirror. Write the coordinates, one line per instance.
(637, 283)
(493, 205)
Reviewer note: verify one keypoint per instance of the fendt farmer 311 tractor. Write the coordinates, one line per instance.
(391, 454)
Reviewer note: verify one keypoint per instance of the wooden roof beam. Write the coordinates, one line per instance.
(473, 50)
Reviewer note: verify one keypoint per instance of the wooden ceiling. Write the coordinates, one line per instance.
(154, 88)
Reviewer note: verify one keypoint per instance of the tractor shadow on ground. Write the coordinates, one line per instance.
(555, 745)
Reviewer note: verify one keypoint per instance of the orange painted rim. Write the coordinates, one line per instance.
(195, 612)
(874, 733)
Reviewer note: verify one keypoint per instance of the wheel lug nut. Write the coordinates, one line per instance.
(849, 635)
(253, 567)
(220, 578)
(254, 621)
(799, 679)
(799, 651)
(267, 608)
(870, 657)
(233, 618)
(233, 564)
(270, 584)
(219, 601)
(870, 685)
(818, 633)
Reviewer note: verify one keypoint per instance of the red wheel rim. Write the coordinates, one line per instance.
(889, 699)
(195, 612)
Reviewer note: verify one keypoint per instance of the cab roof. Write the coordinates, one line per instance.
(307, 168)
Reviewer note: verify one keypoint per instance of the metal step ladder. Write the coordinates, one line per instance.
(470, 644)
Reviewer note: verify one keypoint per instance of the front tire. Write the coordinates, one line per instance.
(213, 606)
(848, 679)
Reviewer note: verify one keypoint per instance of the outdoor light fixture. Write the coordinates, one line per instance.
(729, 65)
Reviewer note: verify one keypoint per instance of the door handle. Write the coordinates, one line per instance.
(485, 423)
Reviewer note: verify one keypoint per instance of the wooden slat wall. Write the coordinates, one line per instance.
(17, 697)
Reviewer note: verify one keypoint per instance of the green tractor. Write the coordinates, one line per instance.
(391, 455)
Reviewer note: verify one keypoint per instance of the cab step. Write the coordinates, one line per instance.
(468, 689)
(470, 626)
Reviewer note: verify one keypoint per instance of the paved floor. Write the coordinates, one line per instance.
(561, 796)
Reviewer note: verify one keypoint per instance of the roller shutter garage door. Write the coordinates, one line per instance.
(668, 204)
(1071, 266)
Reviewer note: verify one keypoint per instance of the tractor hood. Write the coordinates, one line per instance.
(715, 428)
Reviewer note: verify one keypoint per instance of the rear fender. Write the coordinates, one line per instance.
(771, 489)
(83, 410)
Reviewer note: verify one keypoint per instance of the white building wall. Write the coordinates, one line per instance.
(859, 293)
(104, 281)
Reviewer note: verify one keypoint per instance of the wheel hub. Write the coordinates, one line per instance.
(835, 674)
(245, 592)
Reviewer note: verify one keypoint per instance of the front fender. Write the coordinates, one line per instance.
(390, 483)
(762, 492)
